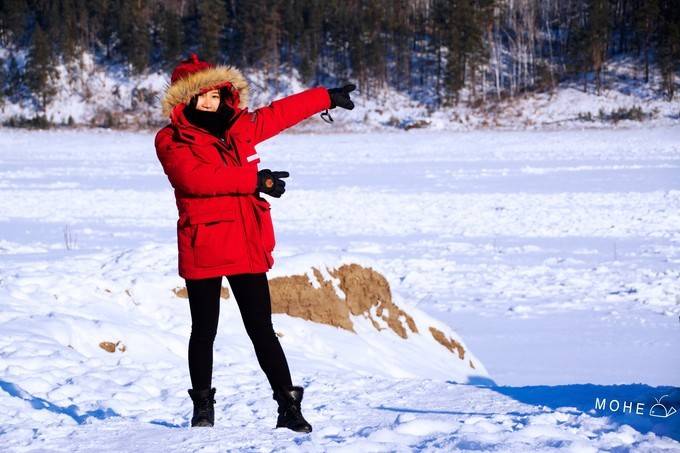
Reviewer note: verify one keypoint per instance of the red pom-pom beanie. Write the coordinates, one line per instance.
(189, 66)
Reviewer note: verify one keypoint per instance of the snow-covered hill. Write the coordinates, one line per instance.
(107, 96)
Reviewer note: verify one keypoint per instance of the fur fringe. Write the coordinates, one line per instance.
(184, 89)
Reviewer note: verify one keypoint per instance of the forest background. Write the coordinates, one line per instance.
(439, 53)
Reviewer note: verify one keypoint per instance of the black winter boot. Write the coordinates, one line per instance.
(204, 407)
(290, 416)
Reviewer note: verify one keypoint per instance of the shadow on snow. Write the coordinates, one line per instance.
(620, 403)
(71, 411)
(636, 405)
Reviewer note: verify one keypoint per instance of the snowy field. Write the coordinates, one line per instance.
(554, 257)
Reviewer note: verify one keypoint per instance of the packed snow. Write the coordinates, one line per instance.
(552, 256)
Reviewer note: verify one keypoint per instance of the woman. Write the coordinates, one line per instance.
(225, 227)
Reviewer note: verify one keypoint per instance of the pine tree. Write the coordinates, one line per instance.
(577, 46)
(646, 15)
(108, 26)
(211, 14)
(69, 37)
(40, 75)
(248, 20)
(292, 29)
(3, 80)
(271, 37)
(311, 46)
(447, 51)
(172, 36)
(668, 45)
(60, 20)
(401, 32)
(13, 17)
(374, 45)
(92, 15)
(133, 29)
(14, 82)
(598, 37)
(461, 26)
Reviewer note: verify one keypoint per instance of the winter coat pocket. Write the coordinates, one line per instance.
(216, 239)
(265, 221)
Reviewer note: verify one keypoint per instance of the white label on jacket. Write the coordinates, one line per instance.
(252, 157)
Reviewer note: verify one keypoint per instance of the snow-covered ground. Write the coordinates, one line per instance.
(554, 256)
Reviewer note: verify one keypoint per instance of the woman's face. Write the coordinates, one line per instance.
(208, 101)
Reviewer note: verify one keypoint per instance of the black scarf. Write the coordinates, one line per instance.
(214, 122)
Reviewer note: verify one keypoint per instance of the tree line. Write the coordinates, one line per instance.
(439, 51)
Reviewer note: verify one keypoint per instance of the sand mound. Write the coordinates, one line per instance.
(334, 296)
(351, 289)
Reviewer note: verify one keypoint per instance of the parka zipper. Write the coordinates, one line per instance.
(222, 146)
(219, 151)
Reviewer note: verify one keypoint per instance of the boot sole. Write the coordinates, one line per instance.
(202, 423)
(300, 430)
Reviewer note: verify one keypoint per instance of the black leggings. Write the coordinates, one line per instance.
(252, 296)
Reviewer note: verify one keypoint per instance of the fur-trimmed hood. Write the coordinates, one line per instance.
(199, 82)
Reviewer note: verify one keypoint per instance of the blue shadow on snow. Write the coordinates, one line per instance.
(41, 403)
(71, 411)
(618, 402)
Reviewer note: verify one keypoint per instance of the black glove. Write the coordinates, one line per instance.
(340, 97)
(271, 182)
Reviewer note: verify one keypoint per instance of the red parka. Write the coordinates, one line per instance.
(224, 226)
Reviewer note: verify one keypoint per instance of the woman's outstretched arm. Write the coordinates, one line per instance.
(286, 112)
